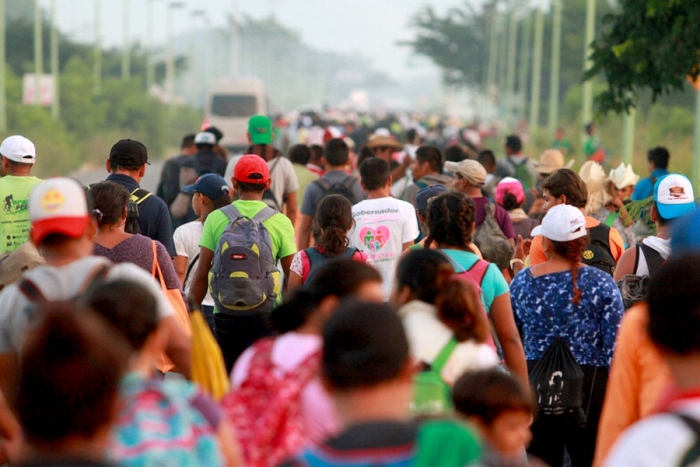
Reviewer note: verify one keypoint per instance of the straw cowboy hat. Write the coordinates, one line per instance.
(623, 176)
(551, 160)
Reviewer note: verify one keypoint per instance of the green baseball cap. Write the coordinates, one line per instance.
(260, 129)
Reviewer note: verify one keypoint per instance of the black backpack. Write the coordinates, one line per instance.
(316, 259)
(597, 252)
(343, 188)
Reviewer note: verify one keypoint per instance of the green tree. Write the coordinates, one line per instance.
(647, 45)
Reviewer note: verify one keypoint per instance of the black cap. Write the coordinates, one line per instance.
(129, 152)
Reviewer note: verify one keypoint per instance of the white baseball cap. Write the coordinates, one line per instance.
(58, 205)
(19, 149)
(204, 137)
(562, 223)
(674, 196)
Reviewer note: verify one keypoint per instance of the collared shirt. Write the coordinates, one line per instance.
(154, 217)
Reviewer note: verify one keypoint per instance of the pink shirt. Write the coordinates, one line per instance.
(291, 349)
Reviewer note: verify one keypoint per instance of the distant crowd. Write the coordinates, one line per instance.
(369, 299)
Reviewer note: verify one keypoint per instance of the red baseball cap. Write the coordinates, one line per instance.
(251, 168)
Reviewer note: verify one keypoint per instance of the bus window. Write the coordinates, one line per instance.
(226, 105)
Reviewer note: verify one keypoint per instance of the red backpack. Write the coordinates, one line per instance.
(265, 410)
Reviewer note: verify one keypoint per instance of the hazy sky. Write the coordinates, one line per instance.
(370, 27)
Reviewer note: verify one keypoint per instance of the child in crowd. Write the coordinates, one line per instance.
(334, 221)
(211, 192)
(501, 408)
(157, 422)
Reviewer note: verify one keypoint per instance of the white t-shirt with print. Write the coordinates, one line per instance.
(382, 226)
(186, 238)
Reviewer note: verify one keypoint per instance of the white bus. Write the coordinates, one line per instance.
(229, 105)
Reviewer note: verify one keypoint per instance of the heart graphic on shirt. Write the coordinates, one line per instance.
(374, 239)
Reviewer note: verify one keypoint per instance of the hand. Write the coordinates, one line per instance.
(522, 248)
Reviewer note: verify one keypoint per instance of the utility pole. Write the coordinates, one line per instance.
(536, 72)
(3, 83)
(170, 59)
(554, 68)
(525, 61)
(587, 107)
(233, 68)
(97, 52)
(510, 68)
(56, 104)
(126, 53)
(38, 52)
(493, 49)
(628, 136)
(149, 46)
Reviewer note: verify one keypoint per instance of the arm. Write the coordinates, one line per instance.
(286, 262)
(295, 282)
(291, 206)
(180, 265)
(178, 347)
(164, 231)
(198, 289)
(504, 325)
(9, 376)
(229, 445)
(304, 234)
(626, 263)
(621, 405)
(10, 434)
(405, 245)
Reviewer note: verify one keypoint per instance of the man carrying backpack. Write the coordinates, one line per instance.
(493, 233)
(62, 230)
(606, 246)
(516, 164)
(205, 161)
(241, 245)
(127, 167)
(335, 181)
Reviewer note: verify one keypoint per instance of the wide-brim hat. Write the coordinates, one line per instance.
(550, 161)
(380, 141)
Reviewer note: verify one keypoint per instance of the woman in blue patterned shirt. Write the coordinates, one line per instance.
(563, 297)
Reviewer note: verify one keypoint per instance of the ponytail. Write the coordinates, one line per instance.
(459, 308)
(334, 219)
(572, 251)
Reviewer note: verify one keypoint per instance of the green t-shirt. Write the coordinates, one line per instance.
(279, 227)
(14, 216)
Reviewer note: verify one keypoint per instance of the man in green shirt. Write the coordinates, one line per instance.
(251, 177)
(18, 157)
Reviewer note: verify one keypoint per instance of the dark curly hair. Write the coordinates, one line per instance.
(510, 202)
(450, 220)
(334, 219)
(572, 251)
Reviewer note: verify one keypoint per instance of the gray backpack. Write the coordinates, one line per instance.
(491, 241)
(244, 279)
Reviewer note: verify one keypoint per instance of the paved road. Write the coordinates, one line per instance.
(88, 175)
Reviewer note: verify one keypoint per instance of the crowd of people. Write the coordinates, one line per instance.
(377, 300)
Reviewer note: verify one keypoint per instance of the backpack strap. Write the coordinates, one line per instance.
(637, 247)
(610, 220)
(444, 355)
(693, 453)
(478, 270)
(231, 212)
(264, 214)
(139, 195)
(653, 258)
(323, 183)
(30, 290)
(189, 268)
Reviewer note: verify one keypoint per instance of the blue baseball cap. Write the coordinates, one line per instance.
(425, 195)
(210, 185)
(673, 194)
